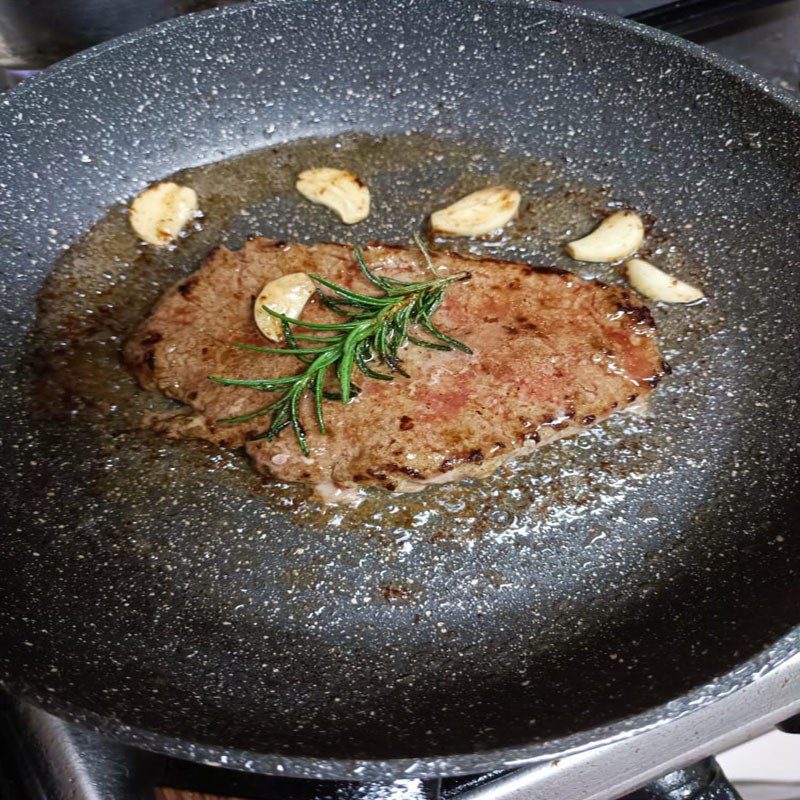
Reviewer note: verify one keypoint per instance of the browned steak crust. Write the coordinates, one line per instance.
(553, 354)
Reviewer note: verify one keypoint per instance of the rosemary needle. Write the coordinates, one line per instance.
(372, 331)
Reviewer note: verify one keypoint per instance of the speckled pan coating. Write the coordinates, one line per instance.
(177, 617)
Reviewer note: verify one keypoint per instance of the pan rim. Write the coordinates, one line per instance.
(461, 763)
(699, 699)
(748, 77)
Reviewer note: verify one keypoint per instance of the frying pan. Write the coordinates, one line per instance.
(174, 624)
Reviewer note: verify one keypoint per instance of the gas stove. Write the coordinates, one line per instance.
(45, 758)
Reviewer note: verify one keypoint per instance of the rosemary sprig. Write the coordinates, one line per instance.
(370, 335)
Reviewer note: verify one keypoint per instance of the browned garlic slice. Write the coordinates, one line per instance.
(287, 295)
(618, 236)
(477, 214)
(160, 213)
(342, 192)
(656, 284)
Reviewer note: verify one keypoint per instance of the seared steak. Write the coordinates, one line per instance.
(553, 354)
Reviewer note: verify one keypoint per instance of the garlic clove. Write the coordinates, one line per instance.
(160, 213)
(342, 192)
(618, 236)
(287, 295)
(477, 214)
(656, 284)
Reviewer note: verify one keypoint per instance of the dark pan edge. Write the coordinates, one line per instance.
(742, 73)
(702, 699)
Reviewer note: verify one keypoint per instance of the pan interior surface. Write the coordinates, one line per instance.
(615, 571)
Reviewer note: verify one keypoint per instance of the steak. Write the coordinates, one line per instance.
(553, 354)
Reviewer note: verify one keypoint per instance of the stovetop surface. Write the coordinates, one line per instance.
(43, 758)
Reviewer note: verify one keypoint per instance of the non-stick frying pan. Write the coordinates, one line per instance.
(212, 623)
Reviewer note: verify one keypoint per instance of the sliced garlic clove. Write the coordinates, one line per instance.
(618, 236)
(287, 295)
(477, 214)
(159, 213)
(342, 192)
(656, 284)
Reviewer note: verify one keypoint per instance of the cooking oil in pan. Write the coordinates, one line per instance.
(107, 282)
